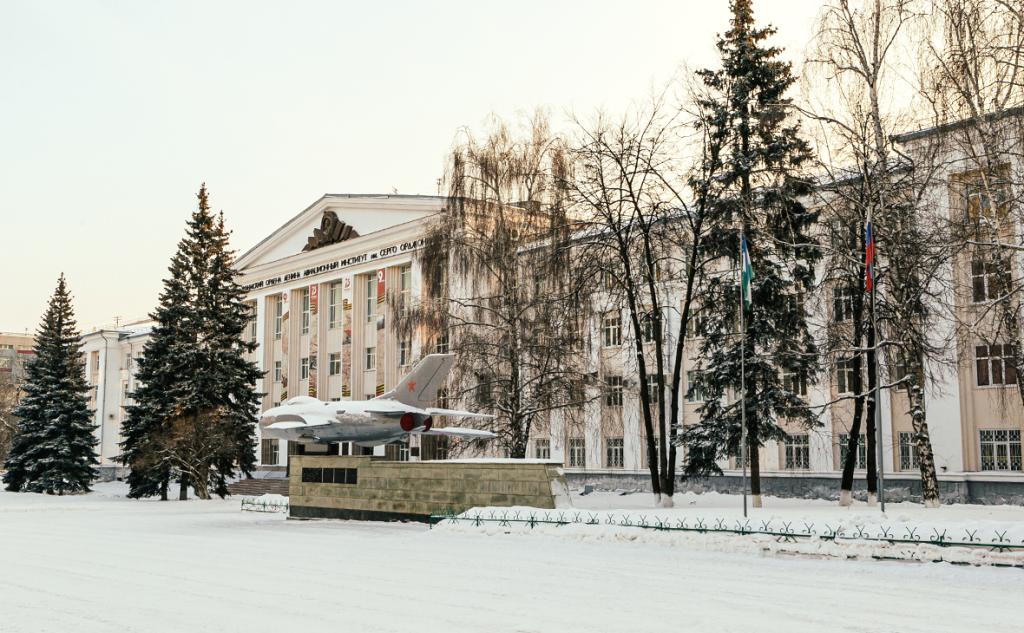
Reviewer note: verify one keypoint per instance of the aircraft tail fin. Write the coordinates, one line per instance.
(419, 387)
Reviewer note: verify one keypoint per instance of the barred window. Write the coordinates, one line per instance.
(334, 305)
(798, 452)
(613, 454)
(542, 448)
(577, 452)
(695, 391)
(612, 326)
(862, 450)
(334, 364)
(994, 364)
(845, 372)
(613, 391)
(842, 304)
(908, 452)
(1000, 449)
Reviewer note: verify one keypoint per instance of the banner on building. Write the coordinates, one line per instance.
(346, 341)
(284, 346)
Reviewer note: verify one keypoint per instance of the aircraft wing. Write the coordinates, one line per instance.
(294, 421)
(469, 434)
(458, 414)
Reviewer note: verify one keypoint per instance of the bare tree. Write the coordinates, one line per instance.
(9, 392)
(642, 212)
(870, 181)
(502, 292)
(974, 80)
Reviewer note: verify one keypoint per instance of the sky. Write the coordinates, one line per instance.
(112, 113)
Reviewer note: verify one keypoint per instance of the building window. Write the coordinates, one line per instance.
(613, 455)
(612, 327)
(990, 277)
(647, 327)
(798, 452)
(862, 451)
(845, 372)
(371, 297)
(278, 317)
(305, 310)
(269, 452)
(405, 286)
(613, 391)
(334, 305)
(842, 304)
(441, 347)
(334, 364)
(303, 368)
(1000, 449)
(652, 388)
(908, 452)
(695, 386)
(277, 371)
(577, 452)
(979, 203)
(128, 361)
(542, 449)
(995, 365)
(697, 323)
(404, 353)
(796, 303)
(370, 359)
(795, 382)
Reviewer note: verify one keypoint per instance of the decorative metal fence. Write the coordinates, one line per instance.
(994, 540)
(255, 504)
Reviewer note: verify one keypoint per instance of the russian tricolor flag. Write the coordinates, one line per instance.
(869, 257)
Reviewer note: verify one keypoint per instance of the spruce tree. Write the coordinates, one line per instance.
(194, 371)
(53, 450)
(761, 191)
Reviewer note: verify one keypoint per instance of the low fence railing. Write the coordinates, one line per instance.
(255, 504)
(994, 540)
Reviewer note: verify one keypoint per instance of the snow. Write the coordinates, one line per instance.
(100, 562)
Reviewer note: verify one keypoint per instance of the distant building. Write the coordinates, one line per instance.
(109, 356)
(15, 350)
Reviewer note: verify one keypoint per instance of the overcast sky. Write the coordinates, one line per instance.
(112, 113)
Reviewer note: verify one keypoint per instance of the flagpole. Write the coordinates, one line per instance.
(743, 377)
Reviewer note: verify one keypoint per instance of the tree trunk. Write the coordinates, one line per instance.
(755, 465)
(183, 488)
(164, 484)
(923, 445)
(852, 443)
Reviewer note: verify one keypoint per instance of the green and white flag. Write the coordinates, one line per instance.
(746, 274)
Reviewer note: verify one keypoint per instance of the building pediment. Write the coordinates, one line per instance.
(338, 218)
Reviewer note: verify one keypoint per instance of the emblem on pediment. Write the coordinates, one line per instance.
(331, 231)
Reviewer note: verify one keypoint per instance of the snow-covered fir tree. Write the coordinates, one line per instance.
(194, 374)
(764, 156)
(53, 448)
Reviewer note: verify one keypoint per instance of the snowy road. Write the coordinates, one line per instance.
(106, 564)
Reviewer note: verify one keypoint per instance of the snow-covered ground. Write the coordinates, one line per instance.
(103, 563)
